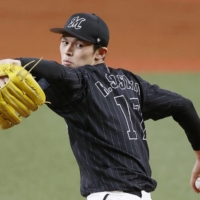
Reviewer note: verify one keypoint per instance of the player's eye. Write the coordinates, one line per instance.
(64, 42)
(79, 45)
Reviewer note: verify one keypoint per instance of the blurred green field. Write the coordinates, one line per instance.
(36, 162)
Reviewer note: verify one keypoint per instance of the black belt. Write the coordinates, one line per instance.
(136, 192)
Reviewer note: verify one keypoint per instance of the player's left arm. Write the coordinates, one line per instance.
(51, 75)
(19, 94)
(51, 71)
(10, 61)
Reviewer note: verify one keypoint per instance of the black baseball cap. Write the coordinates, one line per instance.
(88, 27)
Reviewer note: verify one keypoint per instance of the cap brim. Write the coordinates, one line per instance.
(62, 31)
(58, 30)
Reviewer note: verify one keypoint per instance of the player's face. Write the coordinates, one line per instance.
(75, 52)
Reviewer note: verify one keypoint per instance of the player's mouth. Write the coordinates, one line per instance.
(67, 63)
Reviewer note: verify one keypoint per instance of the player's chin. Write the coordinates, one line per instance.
(67, 64)
(70, 64)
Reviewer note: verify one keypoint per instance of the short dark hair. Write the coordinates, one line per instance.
(96, 46)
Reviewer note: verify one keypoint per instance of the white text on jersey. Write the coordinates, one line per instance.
(119, 81)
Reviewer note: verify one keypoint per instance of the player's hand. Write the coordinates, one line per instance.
(10, 61)
(195, 172)
(4, 79)
(19, 93)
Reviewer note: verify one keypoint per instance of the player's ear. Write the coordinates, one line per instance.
(101, 53)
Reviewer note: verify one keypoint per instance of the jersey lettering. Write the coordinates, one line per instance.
(104, 91)
(123, 104)
(122, 82)
(119, 81)
(137, 88)
(125, 108)
(143, 129)
(113, 81)
(129, 83)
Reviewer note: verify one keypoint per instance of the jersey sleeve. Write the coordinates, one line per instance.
(54, 72)
(160, 103)
(62, 85)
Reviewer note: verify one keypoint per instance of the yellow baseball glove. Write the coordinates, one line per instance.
(20, 95)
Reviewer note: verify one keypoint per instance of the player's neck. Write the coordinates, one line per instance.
(98, 62)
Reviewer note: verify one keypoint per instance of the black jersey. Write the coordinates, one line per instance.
(105, 110)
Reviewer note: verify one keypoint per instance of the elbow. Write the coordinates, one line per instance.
(187, 103)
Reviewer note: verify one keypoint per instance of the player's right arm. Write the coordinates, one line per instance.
(159, 103)
(195, 172)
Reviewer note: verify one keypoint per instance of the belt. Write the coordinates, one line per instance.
(135, 192)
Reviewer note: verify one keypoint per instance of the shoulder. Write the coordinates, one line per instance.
(127, 73)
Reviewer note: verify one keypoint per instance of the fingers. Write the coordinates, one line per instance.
(193, 179)
(3, 80)
(195, 173)
(192, 184)
(10, 61)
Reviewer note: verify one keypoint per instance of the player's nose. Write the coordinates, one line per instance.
(69, 50)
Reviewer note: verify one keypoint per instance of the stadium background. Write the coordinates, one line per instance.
(157, 39)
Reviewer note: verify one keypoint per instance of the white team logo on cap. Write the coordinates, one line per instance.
(76, 22)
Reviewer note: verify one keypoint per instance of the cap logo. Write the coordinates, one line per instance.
(76, 22)
(98, 40)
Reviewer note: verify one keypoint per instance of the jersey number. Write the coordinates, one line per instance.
(121, 100)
